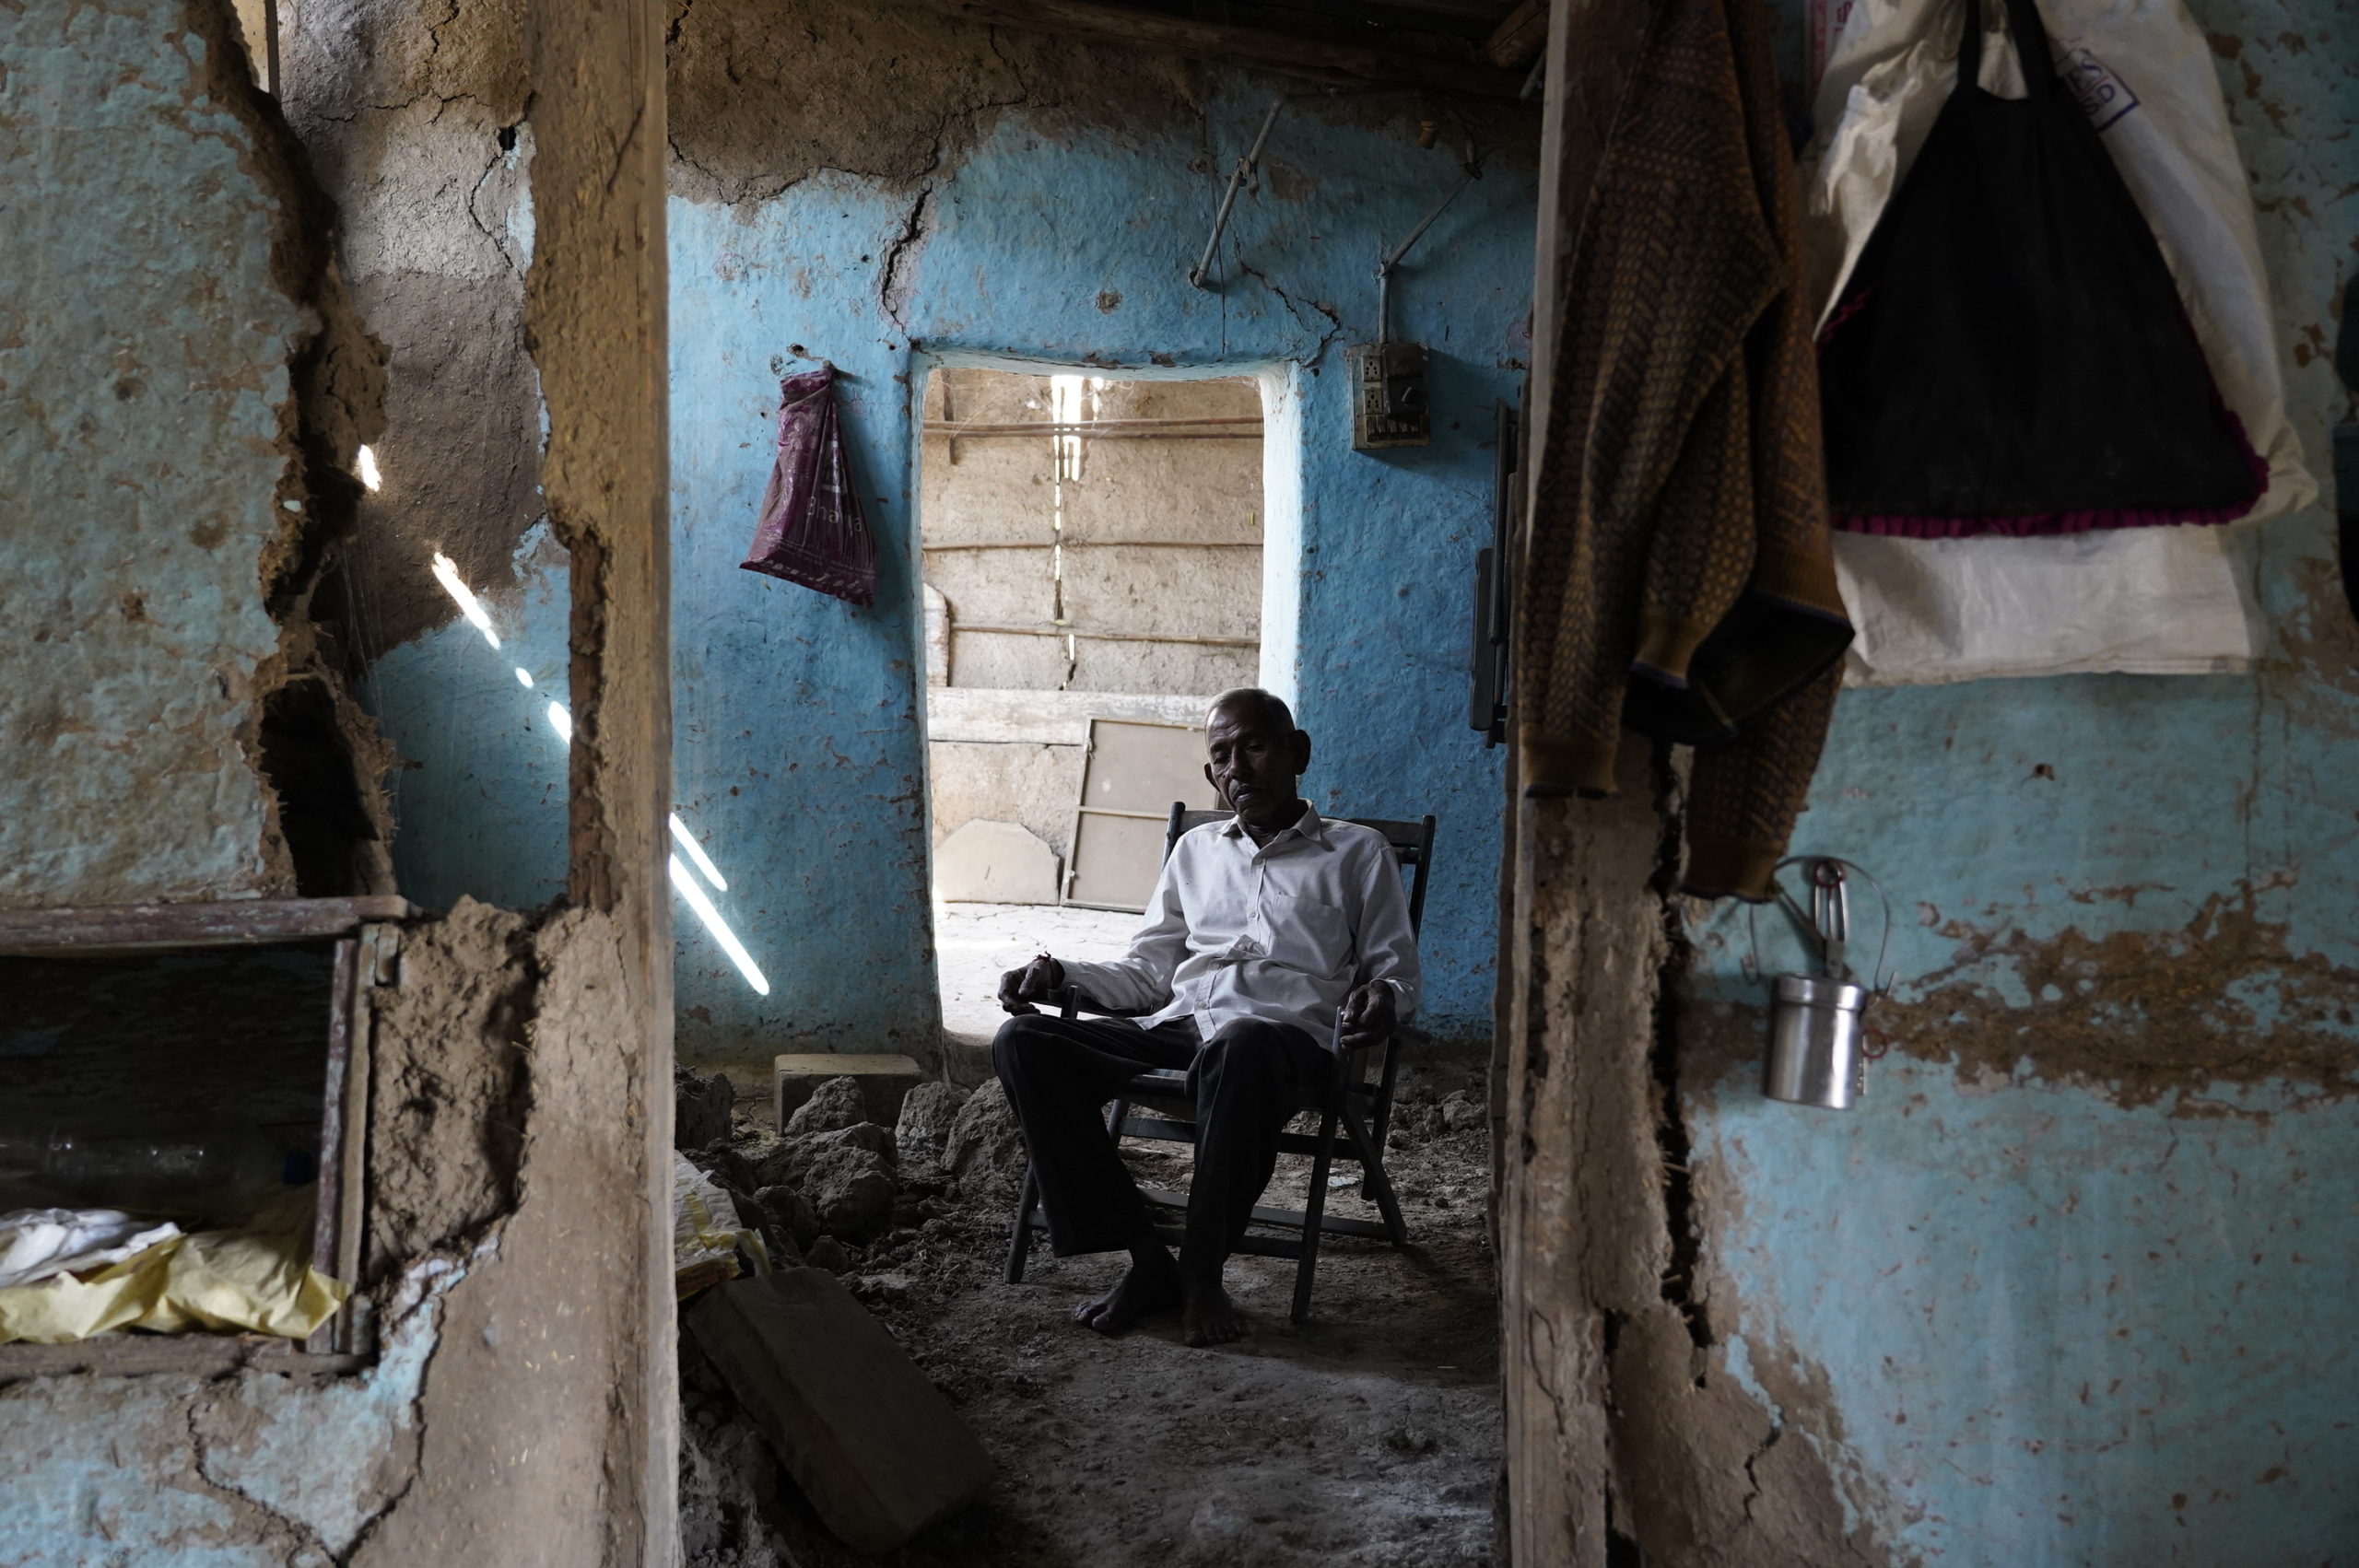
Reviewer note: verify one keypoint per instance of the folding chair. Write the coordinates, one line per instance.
(1355, 1106)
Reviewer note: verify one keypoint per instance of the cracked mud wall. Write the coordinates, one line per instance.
(186, 357)
(890, 192)
(184, 382)
(414, 116)
(497, 1274)
(2070, 1285)
(2072, 1279)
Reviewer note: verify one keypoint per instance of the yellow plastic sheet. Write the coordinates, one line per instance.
(231, 1282)
(704, 1237)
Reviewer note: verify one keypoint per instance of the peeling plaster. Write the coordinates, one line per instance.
(258, 1466)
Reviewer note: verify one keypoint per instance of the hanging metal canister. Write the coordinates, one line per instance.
(1817, 1052)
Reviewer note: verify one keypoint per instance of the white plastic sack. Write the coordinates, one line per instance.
(35, 1244)
(2148, 600)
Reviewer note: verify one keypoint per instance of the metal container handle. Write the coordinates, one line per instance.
(1829, 919)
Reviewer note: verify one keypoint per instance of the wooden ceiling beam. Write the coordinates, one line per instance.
(1330, 65)
(1520, 37)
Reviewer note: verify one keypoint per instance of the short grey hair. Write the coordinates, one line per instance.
(1268, 706)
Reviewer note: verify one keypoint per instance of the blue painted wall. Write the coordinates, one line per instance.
(800, 749)
(479, 798)
(2074, 1283)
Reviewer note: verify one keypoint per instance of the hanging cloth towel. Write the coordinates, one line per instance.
(1679, 577)
(812, 529)
(2010, 354)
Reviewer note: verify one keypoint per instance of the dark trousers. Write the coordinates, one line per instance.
(1247, 1080)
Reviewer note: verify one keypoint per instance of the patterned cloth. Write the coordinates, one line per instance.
(1679, 577)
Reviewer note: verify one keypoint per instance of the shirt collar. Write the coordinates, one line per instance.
(1309, 824)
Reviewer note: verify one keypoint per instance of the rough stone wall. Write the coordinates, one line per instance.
(173, 453)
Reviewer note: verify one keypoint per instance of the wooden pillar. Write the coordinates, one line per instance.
(594, 319)
(1578, 1227)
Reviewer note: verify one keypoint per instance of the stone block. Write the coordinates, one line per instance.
(994, 862)
(872, 1443)
(883, 1081)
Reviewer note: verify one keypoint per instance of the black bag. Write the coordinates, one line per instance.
(2011, 354)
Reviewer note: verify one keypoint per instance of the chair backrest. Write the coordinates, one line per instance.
(1412, 845)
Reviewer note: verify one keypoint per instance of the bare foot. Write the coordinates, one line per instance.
(1141, 1291)
(1207, 1314)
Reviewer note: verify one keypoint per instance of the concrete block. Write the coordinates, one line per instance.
(883, 1081)
(871, 1441)
(994, 862)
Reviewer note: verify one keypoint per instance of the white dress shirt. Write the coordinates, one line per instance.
(1283, 930)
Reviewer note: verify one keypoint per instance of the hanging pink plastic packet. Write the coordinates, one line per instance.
(812, 531)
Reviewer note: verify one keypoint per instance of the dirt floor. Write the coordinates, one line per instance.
(1371, 1435)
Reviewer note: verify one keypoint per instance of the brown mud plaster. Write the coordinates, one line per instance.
(2138, 1016)
(765, 95)
(2321, 644)
(594, 321)
(331, 826)
(452, 1085)
(527, 1422)
(413, 113)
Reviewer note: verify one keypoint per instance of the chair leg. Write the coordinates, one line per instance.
(1115, 1113)
(1382, 1127)
(1376, 1182)
(1314, 1206)
(1019, 1244)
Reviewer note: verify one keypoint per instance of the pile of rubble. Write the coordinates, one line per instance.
(832, 1180)
(1373, 1430)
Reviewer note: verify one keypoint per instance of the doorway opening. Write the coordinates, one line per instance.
(1093, 553)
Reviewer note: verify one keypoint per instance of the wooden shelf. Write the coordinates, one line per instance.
(366, 935)
(238, 922)
(203, 1355)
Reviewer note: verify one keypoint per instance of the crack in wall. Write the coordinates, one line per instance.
(318, 756)
(1334, 328)
(1671, 1142)
(298, 1544)
(893, 288)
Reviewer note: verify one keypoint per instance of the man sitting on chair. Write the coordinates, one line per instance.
(1260, 929)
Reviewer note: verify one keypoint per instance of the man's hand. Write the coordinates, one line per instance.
(1367, 1016)
(1037, 981)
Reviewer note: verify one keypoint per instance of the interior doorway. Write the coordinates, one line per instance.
(1093, 576)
